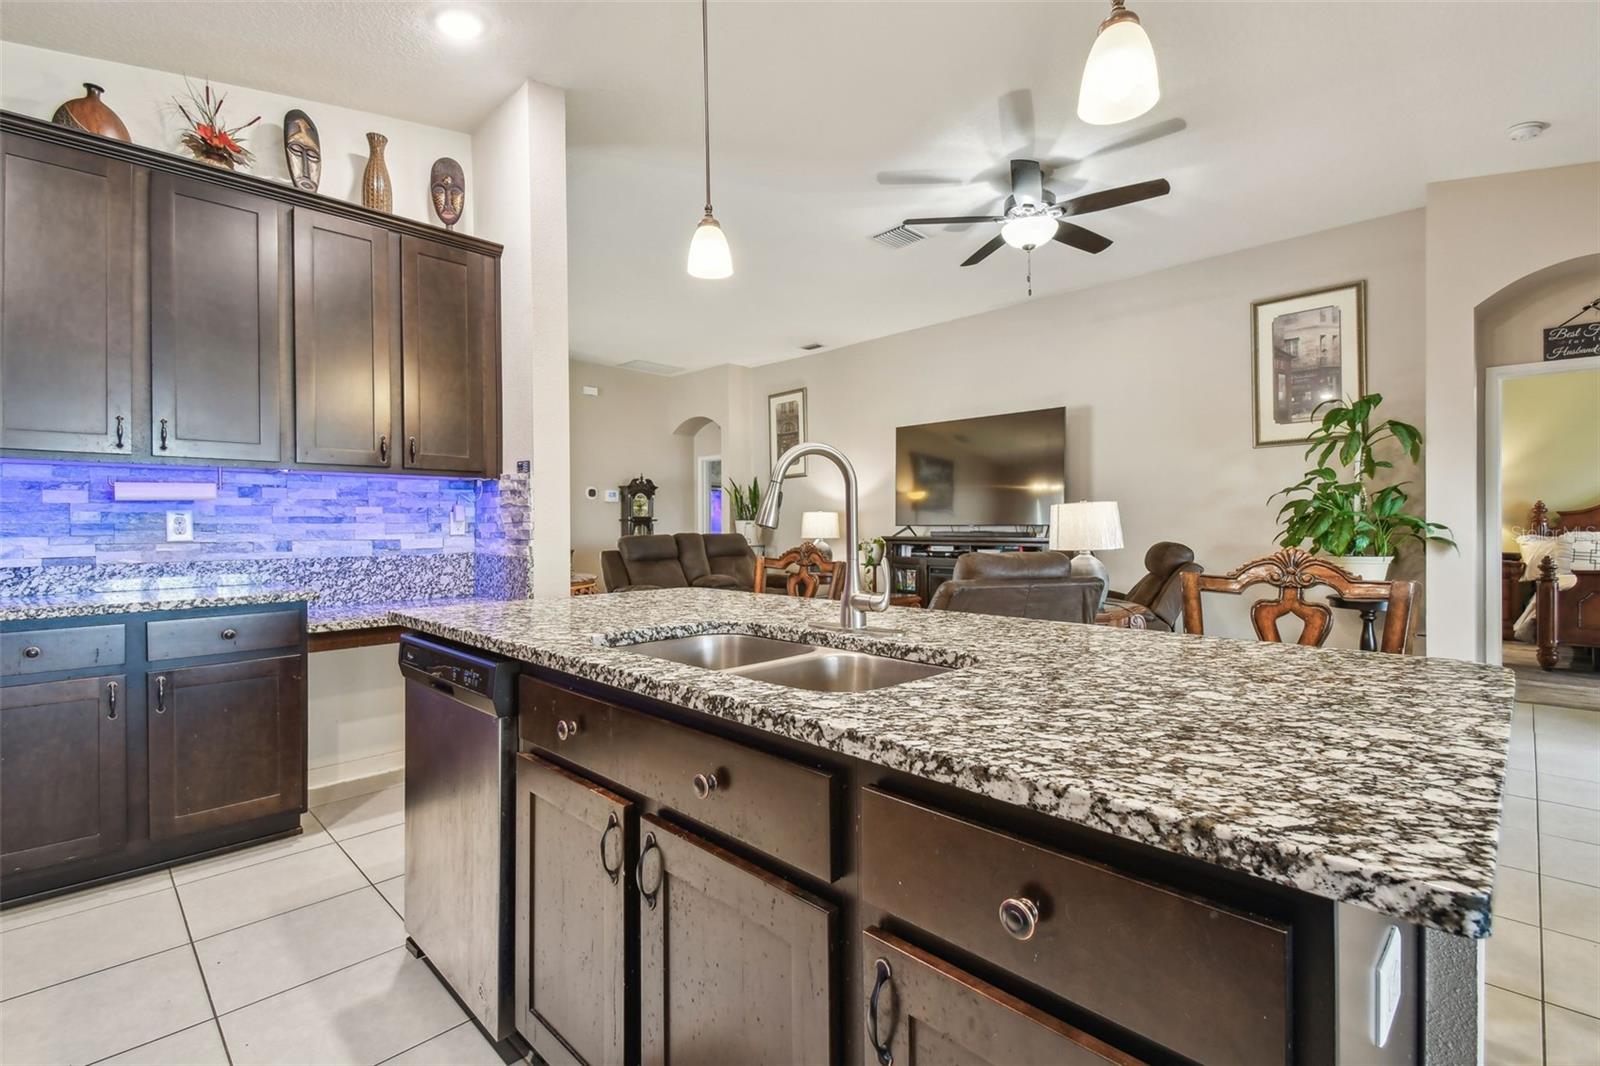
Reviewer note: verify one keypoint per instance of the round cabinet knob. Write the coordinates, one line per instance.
(704, 785)
(1020, 918)
(566, 730)
(31, 652)
(229, 633)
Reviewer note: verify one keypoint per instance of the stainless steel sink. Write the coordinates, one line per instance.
(841, 671)
(720, 651)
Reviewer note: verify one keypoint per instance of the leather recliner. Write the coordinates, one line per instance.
(1160, 591)
(1018, 585)
(678, 560)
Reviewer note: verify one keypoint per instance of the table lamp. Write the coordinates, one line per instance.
(1086, 527)
(820, 527)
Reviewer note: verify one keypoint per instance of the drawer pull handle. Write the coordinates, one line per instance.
(411, 448)
(163, 434)
(111, 700)
(119, 431)
(32, 651)
(651, 896)
(880, 1047)
(161, 695)
(1020, 917)
(383, 449)
(229, 633)
(704, 785)
(566, 730)
(613, 872)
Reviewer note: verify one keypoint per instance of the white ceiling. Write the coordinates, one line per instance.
(1276, 119)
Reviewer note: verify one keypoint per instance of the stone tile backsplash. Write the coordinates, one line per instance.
(352, 537)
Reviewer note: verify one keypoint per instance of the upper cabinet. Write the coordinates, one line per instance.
(66, 299)
(218, 293)
(277, 326)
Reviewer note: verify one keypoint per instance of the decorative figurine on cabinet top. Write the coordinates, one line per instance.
(376, 191)
(447, 188)
(89, 114)
(207, 138)
(302, 150)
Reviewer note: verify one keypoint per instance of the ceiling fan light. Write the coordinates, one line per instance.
(1119, 79)
(709, 255)
(1028, 233)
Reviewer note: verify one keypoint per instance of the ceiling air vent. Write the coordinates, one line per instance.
(645, 366)
(813, 346)
(898, 237)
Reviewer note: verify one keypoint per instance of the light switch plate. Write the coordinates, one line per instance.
(1386, 986)
(180, 525)
(611, 496)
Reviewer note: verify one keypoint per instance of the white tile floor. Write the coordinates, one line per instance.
(1543, 969)
(290, 952)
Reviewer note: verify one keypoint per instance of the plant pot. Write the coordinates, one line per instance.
(1366, 567)
(748, 530)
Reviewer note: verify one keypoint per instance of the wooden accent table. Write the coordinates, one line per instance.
(585, 585)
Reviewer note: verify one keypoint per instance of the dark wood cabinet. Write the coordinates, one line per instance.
(347, 341)
(575, 841)
(734, 961)
(227, 743)
(219, 293)
(66, 299)
(1511, 593)
(445, 319)
(63, 772)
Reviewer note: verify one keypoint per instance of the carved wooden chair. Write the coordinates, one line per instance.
(1291, 572)
(812, 566)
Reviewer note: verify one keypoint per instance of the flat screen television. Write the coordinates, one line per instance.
(998, 470)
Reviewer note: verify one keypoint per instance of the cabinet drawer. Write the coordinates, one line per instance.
(768, 802)
(1208, 982)
(182, 638)
(45, 651)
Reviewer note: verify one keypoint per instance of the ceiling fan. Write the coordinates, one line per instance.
(1034, 217)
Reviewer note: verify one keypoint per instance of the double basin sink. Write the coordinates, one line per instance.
(787, 662)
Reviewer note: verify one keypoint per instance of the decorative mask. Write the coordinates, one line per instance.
(302, 148)
(448, 191)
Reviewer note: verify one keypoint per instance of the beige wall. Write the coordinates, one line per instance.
(1154, 373)
(1549, 446)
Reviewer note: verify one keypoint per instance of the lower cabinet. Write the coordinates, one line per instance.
(573, 915)
(227, 743)
(923, 1011)
(63, 772)
(733, 960)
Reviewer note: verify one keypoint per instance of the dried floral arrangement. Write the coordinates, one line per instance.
(208, 138)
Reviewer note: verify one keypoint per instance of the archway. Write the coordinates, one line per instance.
(708, 506)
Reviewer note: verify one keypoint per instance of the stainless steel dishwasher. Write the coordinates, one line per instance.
(461, 735)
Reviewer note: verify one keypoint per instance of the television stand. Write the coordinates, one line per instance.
(920, 562)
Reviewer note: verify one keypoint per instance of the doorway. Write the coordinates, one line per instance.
(711, 501)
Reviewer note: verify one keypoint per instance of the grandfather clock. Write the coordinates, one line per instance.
(638, 501)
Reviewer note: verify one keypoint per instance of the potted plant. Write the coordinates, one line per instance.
(1337, 510)
(746, 505)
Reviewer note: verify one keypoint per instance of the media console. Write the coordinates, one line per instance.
(919, 564)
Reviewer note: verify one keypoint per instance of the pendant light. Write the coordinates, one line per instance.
(1119, 78)
(709, 256)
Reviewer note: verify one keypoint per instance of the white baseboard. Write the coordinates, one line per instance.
(341, 780)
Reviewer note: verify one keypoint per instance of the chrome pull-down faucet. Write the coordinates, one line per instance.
(855, 602)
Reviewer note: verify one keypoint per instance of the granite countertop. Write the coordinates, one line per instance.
(340, 618)
(136, 601)
(1360, 777)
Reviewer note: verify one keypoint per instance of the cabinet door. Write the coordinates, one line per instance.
(346, 341)
(218, 287)
(733, 960)
(574, 842)
(63, 771)
(445, 321)
(922, 1011)
(227, 744)
(66, 299)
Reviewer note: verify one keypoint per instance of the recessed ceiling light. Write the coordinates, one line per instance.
(1526, 131)
(459, 24)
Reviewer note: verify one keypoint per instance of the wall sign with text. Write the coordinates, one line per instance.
(1572, 341)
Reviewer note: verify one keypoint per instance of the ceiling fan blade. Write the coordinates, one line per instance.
(1027, 181)
(1085, 240)
(1107, 198)
(959, 220)
(985, 252)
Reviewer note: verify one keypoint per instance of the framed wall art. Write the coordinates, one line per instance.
(1307, 348)
(786, 426)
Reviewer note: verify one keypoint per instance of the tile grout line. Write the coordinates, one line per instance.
(280, 914)
(435, 1036)
(340, 845)
(216, 1019)
(147, 1043)
(85, 910)
(307, 981)
(91, 973)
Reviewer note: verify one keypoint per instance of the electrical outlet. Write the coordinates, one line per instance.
(180, 525)
(458, 520)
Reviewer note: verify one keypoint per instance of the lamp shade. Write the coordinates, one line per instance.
(1028, 233)
(819, 525)
(1119, 80)
(1085, 526)
(709, 256)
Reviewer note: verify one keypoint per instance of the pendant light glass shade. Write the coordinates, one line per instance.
(1028, 233)
(709, 255)
(1119, 80)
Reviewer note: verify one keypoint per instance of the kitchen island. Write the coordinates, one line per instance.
(1187, 809)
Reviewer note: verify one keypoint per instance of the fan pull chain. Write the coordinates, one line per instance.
(1030, 271)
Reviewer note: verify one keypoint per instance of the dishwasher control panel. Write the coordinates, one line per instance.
(449, 665)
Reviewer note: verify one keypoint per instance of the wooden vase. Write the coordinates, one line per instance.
(91, 115)
(376, 190)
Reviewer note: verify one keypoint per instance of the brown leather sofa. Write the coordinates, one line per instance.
(1018, 585)
(679, 560)
(1160, 591)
